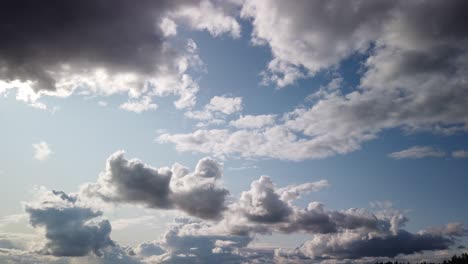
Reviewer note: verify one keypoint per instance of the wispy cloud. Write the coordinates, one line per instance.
(417, 152)
(460, 154)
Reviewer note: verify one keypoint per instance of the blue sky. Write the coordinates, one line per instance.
(357, 113)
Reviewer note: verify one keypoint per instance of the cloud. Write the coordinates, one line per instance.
(262, 204)
(251, 121)
(70, 229)
(74, 46)
(216, 111)
(355, 245)
(74, 229)
(144, 104)
(131, 181)
(42, 151)
(460, 154)
(204, 16)
(306, 37)
(417, 152)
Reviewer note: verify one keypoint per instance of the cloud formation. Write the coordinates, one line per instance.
(413, 79)
(73, 229)
(198, 193)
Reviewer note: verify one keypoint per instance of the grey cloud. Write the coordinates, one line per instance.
(209, 168)
(262, 204)
(355, 245)
(131, 181)
(70, 229)
(105, 47)
(118, 35)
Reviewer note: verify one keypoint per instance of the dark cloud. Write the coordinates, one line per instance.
(70, 229)
(131, 181)
(39, 38)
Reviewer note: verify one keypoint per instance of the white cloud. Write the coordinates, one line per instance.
(216, 111)
(253, 121)
(42, 151)
(417, 152)
(225, 105)
(144, 104)
(205, 16)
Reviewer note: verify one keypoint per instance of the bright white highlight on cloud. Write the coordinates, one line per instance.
(42, 151)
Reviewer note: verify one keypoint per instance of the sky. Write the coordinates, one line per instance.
(235, 131)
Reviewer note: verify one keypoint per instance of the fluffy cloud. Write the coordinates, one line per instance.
(417, 152)
(42, 151)
(70, 229)
(74, 46)
(308, 36)
(131, 181)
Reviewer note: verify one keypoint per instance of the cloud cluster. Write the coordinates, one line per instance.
(103, 48)
(198, 193)
(412, 76)
(70, 229)
(74, 229)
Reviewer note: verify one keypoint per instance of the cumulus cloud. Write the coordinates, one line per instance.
(74, 46)
(73, 229)
(42, 151)
(306, 37)
(417, 152)
(199, 193)
(70, 229)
